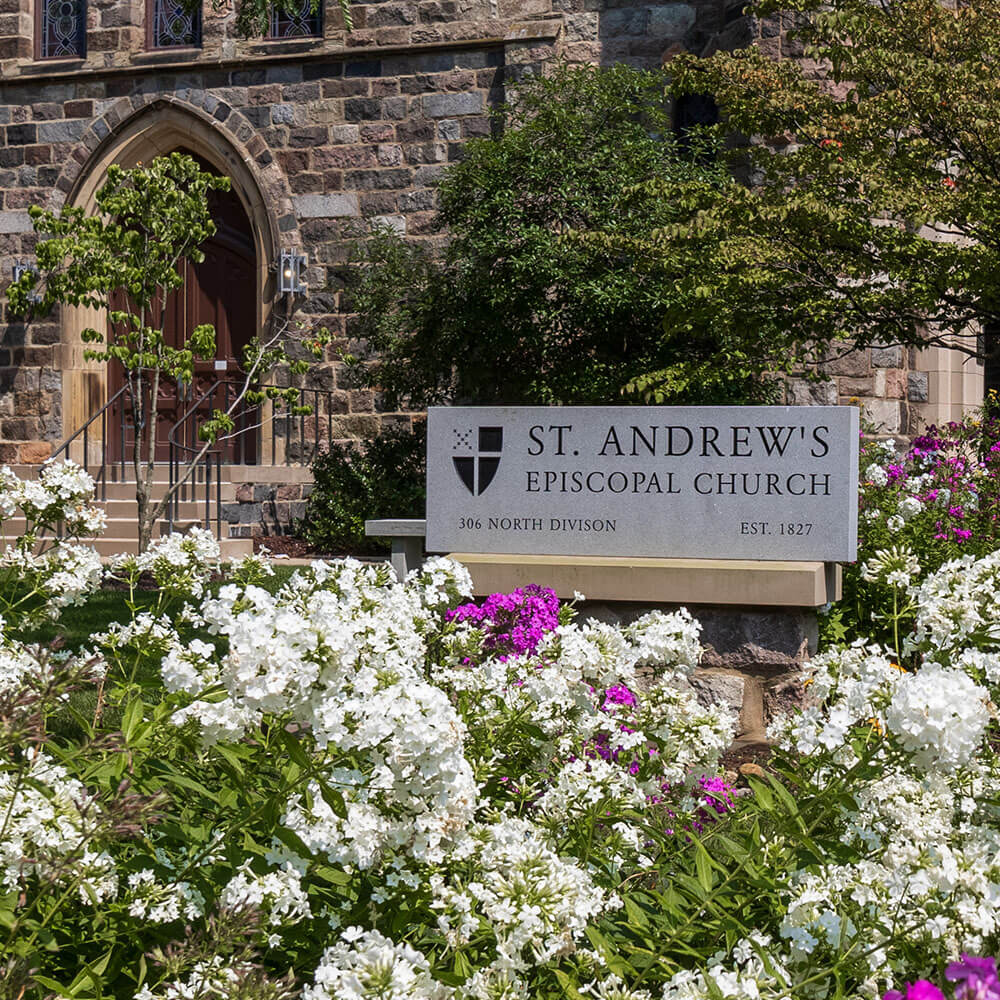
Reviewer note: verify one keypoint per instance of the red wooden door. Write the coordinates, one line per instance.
(220, 290)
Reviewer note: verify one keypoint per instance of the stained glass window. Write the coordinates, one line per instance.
(62, 31)
(302, 22)
(175, 23)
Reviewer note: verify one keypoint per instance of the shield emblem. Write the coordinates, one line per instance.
(477, 466)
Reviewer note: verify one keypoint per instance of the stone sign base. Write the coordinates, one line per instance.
(758, 618)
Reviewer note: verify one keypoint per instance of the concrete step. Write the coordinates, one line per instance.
(126, 491)
(122, 522)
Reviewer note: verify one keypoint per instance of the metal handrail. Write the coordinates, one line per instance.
(102, 478)
(285, 426)
(177, 445)
(174, 465)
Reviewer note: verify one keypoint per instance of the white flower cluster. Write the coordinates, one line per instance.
(875, 475)
(162, 902)
(940, 715)
(58, 570)
(366, 965)
(926, 851)
(535, 903)
(897, 566)
(214, 979)
(340, 650)
(958, 606)
(278, 894)
(62, 493)
(849, 688)
(46, 830)
(749, 972)
(179, 562)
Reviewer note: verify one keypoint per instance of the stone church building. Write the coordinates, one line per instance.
(319, 129)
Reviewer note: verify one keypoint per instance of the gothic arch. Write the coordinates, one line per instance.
(136, 130)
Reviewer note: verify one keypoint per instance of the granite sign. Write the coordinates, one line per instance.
(762, 482)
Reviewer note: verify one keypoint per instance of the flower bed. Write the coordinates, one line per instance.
(357, 787)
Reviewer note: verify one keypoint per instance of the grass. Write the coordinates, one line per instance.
(75, 629)
(79, 623)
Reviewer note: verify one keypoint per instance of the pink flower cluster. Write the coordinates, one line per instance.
(974, 978)
(514, 623)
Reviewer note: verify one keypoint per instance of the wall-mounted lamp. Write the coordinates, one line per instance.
(20, 269)
(291, 269)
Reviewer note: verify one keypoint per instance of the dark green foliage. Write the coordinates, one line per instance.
(537, 298)
(897, 126)
(384, 479)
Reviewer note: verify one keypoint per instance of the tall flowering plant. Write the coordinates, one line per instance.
(345, 786)
(918, 508)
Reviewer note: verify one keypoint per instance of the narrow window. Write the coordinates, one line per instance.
(299, 21)
(61, 29)
(693, 111)
(989, 354)
(170, 23)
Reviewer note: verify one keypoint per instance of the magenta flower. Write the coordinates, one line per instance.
(514, 623)
(976, 978)
(922, 989)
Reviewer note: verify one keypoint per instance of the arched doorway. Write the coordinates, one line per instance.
(219, 291)
(247, 235)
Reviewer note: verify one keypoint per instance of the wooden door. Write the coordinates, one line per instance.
(221, 291)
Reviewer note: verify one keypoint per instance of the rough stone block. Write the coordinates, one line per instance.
(357, 109)
(15, 222)
(231, 512)
(397, 223)
(62, 131)
(802, 392)
(917, 387)
(885, 415)
(887, 357)
(854, 363)
(671, 21)
(783, 695)
(326, 206)
(35, 452)
(452, 105)
(854, 387)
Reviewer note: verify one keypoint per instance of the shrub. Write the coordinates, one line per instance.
(530, 302)
(352, 787)
(384, 478)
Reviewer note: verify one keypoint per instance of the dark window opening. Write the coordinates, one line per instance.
(62, 29)
(989, 354)
(170, 23)
(692, 111)
(300, 21)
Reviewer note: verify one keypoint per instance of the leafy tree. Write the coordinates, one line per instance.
(873, 212)
(126, 259)
(540, 296)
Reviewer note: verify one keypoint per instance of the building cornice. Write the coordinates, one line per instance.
(151, 64)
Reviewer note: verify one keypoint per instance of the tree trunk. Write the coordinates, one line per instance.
(142, 491)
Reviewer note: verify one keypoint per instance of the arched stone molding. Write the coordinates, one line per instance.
(135, 130)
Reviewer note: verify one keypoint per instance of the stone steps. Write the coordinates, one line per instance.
(240, 495)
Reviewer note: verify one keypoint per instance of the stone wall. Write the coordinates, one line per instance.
(885, 383)
(335, 132)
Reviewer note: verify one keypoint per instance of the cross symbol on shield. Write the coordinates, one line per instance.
(477, 467)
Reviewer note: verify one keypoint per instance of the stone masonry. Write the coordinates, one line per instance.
(337, 131)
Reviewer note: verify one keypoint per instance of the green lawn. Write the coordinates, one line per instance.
(79, 623)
